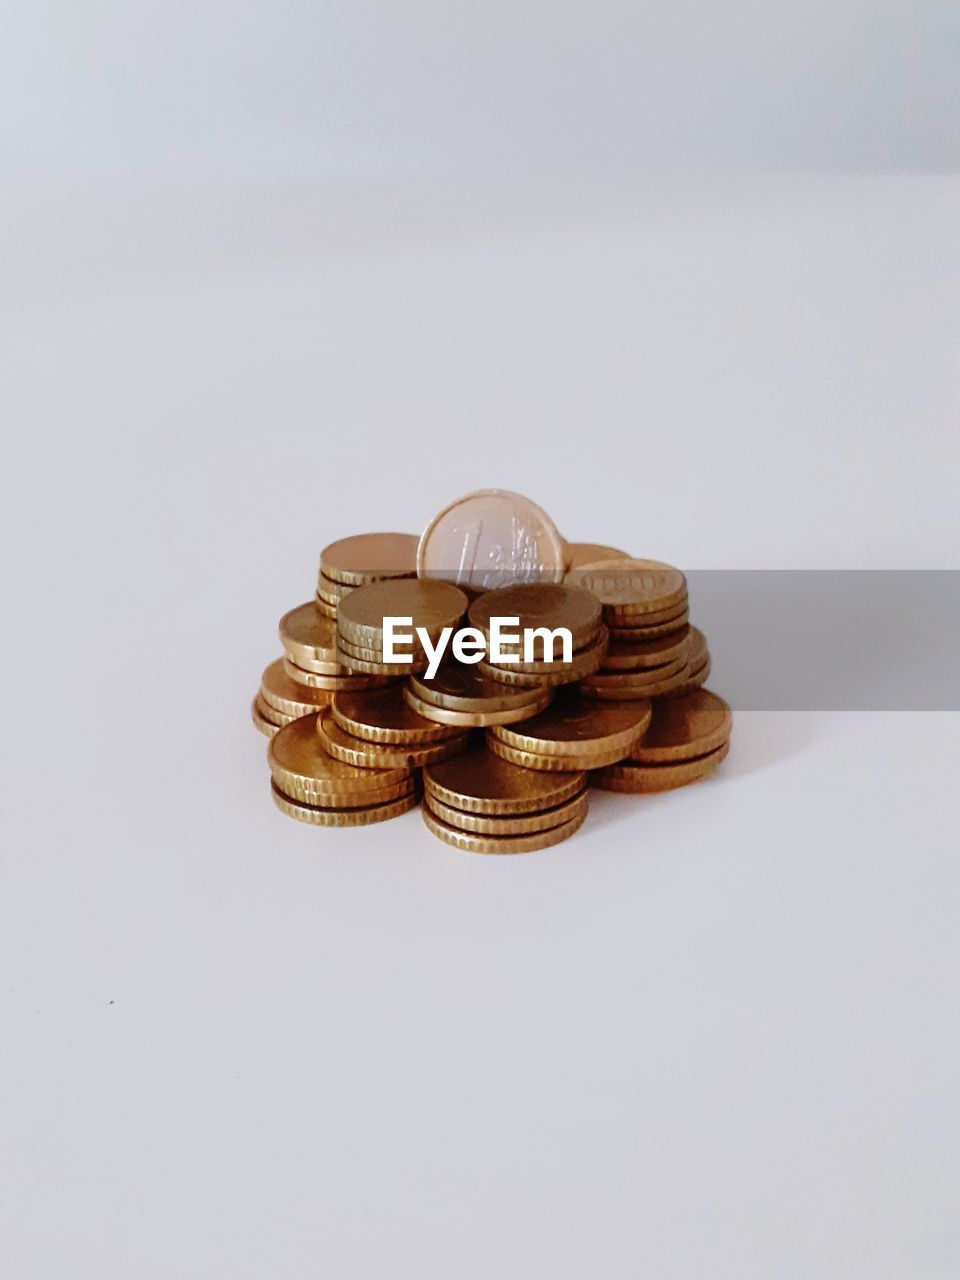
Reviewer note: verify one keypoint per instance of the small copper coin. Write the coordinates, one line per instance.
(576, 723)
(651, 630)
(542, 604)
(491, 538)
(383, 715)
(641, 779)
(297, 760)
(574, 761)
(307, 636)
(478, 781)
(632, 587)
(473, 843)
(278, 690)
(375, 755)
(645, 676)
(523, 824)
(682, 728)
(583, 661)
(580, 554)
(358, 817)
(620, 686)
(461, 687)
(264, 725)
(344, 680)
(430, 605)
(346, 799)
(370, 557)
(641, 655)
(475, 719)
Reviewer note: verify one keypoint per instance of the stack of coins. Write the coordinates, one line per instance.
(687, 738)
(575, 732)
(544, 606)
(377, 729)
(431, 606)
(360, 560)
(460, 696)
(309, 640)
(480, 802)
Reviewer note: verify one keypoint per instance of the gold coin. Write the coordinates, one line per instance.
(475, 719)
(386, 669)
(682, 728)
(370, 557)
(580, 554)
(329, 591)
(583, 661)
(524, 824)
(642, 678)
(297, 760)
(307, 636)
(642, 655)
(576, 723)
(275, 717)
(479, 781)
(430, 605)
(346, 799)
(651, 631)
(491, 538)
(541, 604)
(328, 610)
(374, 755)
(461, 687)
(632, 587)
(262, 724)
(696, 677)
(360, 817)
(641, 779)
(573, 761)
(473, 843)
(289, 696)
(374, 653)
(620, 688)
(382, 715)
(345, 680)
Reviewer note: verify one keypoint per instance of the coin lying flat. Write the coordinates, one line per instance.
(308, 636)
(461, 687)
(285, 694)
(430, 605)
(271, 714)
(376, 755)
(575, 722)
(346, 799)
(643, 655)
(580, 554)
(362, 666)
(573, 761)
(517, 825)
(631, 588)
(325, 607)
(542, 604)
(683, 728)
(266, 727)
(669, 626)
(358, 817)
(550, 674)
(297, 760)
(619, 687)
(489, 539)
(641, 779)
(370, 557)
(383, 715)
(478, 781)
(343, 680)
(472, 843)
(475, 719)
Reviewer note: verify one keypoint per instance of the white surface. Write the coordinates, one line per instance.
(714, 1034)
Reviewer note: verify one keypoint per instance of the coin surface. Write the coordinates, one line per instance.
(584, 553)
(642, 655)
(473, 843)
(308, 636)
(461, 687)
(344, 680)
(641, 779)
(370, 557)
(542, 604)
(572, 761)
(682, 728)
(475, 719)
(632, 588)
(376, 755)
(265, 726)
(575, 722)
(430, 605)
(489, 539)
(297, 760)
(357, 817)
(517, 825)
(478, 781)
(383, 715)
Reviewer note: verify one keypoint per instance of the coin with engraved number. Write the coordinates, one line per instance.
(358, 817)
(383, 715)
(641, 779)
(574, 722)
(430, 605)
(370, 557)
(297, 759)
(522, 824)
(473, 843)
(375, 755)
(545, 604)
(631, 588)
(491, 538)
(475, 719)
(479, 781)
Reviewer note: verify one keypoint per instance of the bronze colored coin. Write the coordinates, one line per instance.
(278, 690)
(345, 680)
(479, 781)
(697, 676)
(461, 687)
(634, 587)
(359, 817)
(491, 538)
(573, 761)
(682, 728)
(574, 723)
(642, 779)
(430, 605)
(363, 665)
(642, 655)
(346, 799)
(475, 719)
(374, 653)
(541, 604)
(374, 755)
(644, 677)
(271, 714)
(328, 610)
(297, 760)
(523, 824)
(472, 843)
(697, 651)
(651, 631)
(307, 636)
(370, 557)
(383, 715)
(618, 686)
(581, 554)
(262, 724)
(550, 674)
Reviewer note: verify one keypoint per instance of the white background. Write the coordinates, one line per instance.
(248, 307)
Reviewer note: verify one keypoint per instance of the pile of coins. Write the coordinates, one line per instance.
(500, 752)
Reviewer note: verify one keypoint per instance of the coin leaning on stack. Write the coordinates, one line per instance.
(503, 750)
